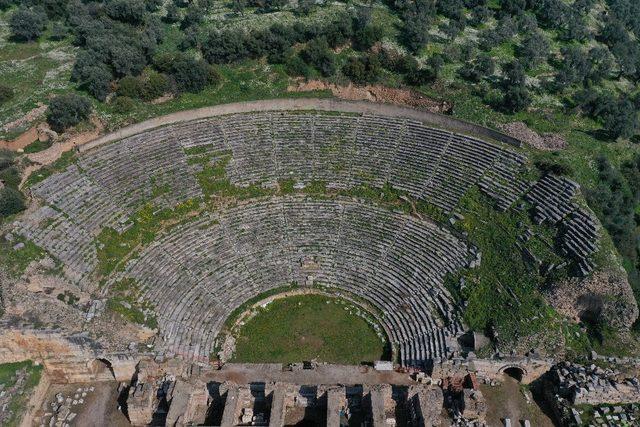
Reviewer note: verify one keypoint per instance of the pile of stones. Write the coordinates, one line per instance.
(63, 410)
(575, 384)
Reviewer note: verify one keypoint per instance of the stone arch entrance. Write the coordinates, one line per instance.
(515, 372)
(102, 369)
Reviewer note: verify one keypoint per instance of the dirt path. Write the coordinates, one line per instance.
(21, 141)
(29, 117)
(53, 153)
(375, 93)
(508, 401)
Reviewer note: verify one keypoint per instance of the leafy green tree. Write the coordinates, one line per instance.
(11, 201)
(193, 17)
(97, 81)
(129, 11)
(188, 74)
(222, 47)
(481, 67)
(574, 67)
(173, 14)
(58, 32)
(238, 6)
(6, 93)
(318, 55)
(515, 94)
(533, 50)
(67, 110)
(27, 24)
(417, 17)
(364, 38)
(305, 7)
(362, 69)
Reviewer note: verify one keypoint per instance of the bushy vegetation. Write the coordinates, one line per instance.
(11, 199)
(27, 24)
(67, 110)
(615, 199)
(583, 57)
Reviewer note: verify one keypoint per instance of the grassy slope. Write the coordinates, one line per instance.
(17, 404)
(34, 71)
(308, 327)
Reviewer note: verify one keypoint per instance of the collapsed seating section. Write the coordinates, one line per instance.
(553, 202)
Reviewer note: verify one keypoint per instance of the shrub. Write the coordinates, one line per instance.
(318, 55)
(123, 104)
(362, 69)
(154, 85)
(130, 87)
(224, 47)
(10, 175)
(214, 77)
(366, 37)
(6, 93)
(189, 74)
(67, 110)
(58, 32)
(97, 81)
(295, 66)
(11, 201)
(130, 11)
(552, 166)
(26, 24)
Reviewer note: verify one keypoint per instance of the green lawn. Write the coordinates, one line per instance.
(308, 327)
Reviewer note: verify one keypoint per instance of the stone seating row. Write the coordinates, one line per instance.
(68, 242)
(196, 275)
(552, 198)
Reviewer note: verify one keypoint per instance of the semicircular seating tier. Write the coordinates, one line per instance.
(198, 274)
(104, 186)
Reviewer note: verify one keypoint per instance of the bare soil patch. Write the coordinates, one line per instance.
(545, 141)
(67, 142)
(508, 400)
(375, 93)
(21, 141)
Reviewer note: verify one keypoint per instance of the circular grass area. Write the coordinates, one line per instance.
(309, 327)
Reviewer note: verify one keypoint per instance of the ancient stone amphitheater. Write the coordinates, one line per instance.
(197, 273)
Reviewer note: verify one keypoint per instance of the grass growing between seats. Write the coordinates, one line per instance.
(125, 301)
(503, 293)
(14, 262)
(113, 248)
(18, 401)
(65, 160)
(308, 327)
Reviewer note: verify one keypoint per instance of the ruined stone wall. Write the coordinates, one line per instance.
(65, 359)
(532, 368)
(18, 345)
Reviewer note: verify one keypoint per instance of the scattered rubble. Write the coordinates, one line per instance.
(375, 93)
(604, 294)
(546, 141)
